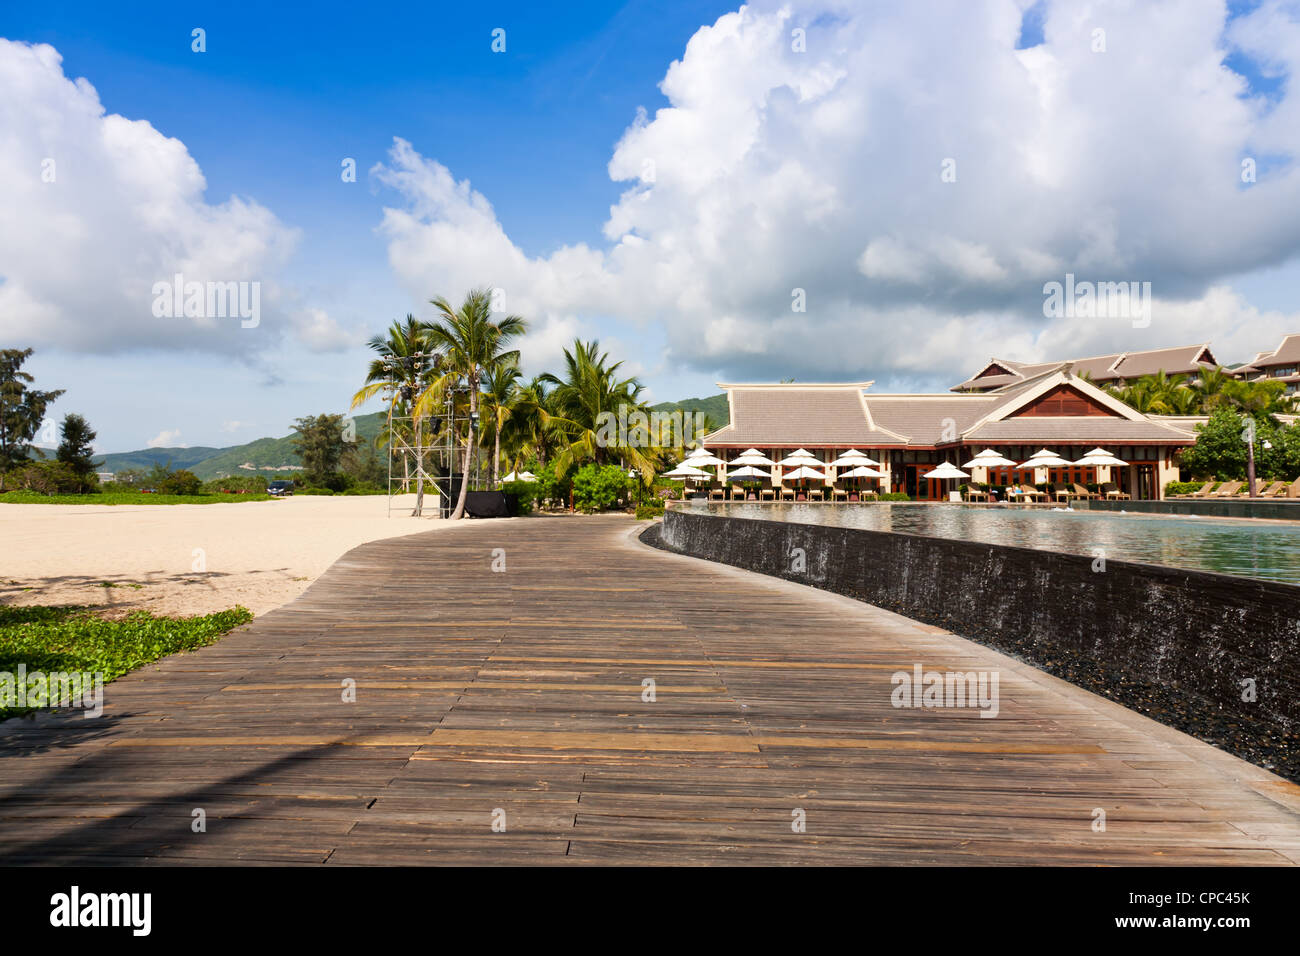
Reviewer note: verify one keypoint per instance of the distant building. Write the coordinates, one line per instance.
(910, 434)
(1282, 364)
(1117, 368)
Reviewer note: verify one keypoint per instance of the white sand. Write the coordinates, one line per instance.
(260, 554)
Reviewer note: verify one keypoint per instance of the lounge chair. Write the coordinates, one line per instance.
(816, 494)
(1064, 493)
(766, 494)
(716, 494)
(1228, 489)
(1293, 489)
(787, 494)
(1081, 492)
(867, 496)
(1112, 492)
(839, 494)
(1270, 491)
(1200, 492)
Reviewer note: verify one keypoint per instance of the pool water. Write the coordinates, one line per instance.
(1247, 549)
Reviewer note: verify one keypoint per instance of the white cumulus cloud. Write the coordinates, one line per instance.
(96, 208)
(772, 170)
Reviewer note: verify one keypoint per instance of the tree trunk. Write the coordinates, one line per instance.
(469, 448)
(419, 469)
(496, 457)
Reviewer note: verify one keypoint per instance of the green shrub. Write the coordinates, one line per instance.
(895, 496)
(43, 478)
(526, 494)
(597, 488)
(362, 488)
(550, 488)
(1182, 487)
(650, 509)
(181, 482)
(235, 484)
(314, 491)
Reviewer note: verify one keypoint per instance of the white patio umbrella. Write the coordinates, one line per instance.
(687, 471)
(989, 458)
(862, 471)
(1045, 459)
(799, 458)
(752, 457)
(1099, 456)
(946, 470)
(522, 476)
(853, 457)
(749, 471)
(702, 458)
(803, 472)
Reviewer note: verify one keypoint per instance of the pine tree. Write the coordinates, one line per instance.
(76, 450)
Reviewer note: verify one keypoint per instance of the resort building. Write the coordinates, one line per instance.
(1117, 369)
(1283, 364)
(911, 434)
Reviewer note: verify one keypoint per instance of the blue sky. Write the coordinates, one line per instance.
(282, 95)
(796, 145)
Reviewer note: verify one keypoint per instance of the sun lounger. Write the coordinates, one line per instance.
(816, 494)
(1113, 493)
(1200, 492)
(1227, 489)
(839, 494)
(1081, 492)
(787, 494)
(1268, 492)
(1293, 489)
(975, 494)
(767, 494)
(716, 494)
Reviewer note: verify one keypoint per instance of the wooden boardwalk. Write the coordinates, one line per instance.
(500, 718)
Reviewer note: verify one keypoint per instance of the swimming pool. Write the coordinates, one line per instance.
(1247, 549)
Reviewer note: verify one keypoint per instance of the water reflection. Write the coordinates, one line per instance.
(1268, 551)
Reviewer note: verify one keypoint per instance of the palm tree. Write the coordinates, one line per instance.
(404, 366)
(500, 393)
(530, 433)
(472, 344)
(583, 399)
(1209, 386)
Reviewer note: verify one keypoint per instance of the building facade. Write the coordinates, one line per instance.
(911, 434)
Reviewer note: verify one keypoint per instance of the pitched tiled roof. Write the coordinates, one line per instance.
(1288, 353)
(1039, 428)
(1177, 360)
(924, 419)
(773, 415)
(841, 415)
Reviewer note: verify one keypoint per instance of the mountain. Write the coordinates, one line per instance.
(206, 463)
(715, 407)
(268, 454)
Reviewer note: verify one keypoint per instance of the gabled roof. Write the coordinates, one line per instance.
(798, 414)
(1287, 353)
(846, 415)
(1177, 360)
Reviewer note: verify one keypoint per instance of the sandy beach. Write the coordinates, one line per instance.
(188, 559)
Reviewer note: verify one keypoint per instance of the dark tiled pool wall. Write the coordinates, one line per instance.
(1175, 645)
(1284, 509)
